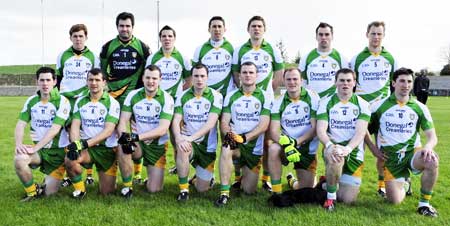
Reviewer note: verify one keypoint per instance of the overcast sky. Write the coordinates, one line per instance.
(416, 30)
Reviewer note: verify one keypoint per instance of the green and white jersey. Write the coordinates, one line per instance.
(267, 59)
(373, 74)
(319, 69)
(148, 111)
(397, 125)
(43, 114)
(195, 111)
(246, 111)
(72, 68)
(295, 115)
(174, 69)
(342, 117)
(124, 64)
(93, 115)
(217, 56)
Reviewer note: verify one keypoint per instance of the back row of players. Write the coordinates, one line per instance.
(257, 68)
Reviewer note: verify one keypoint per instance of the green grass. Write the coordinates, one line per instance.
(21, 69)
(162, 208)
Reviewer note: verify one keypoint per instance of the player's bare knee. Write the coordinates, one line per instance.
(153, 188)
(394, 199)
(274, 152)
(201, 187)
(51, 189)
(248, 189)
(20, 162)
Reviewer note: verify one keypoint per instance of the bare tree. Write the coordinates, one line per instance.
(445, 54)
(280, 45)
(297, 58)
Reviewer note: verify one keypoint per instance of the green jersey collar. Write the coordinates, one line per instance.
(303, 94)
(249, 43)
(105, 95)
(393, 99)
(143, 94)
(206, 92)
(54, 94)
(383, 50)
(174, 51)
(79, 52)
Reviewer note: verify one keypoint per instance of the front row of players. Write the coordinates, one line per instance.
(341, 122)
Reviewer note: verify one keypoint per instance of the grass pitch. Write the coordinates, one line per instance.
(163, 209)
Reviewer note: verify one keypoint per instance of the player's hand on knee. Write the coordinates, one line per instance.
(128, 148)
(77, 145)
(127, 138)
(289, 145)
(228, 141)
(72, 155)
(21, 149)
(184, 146)
(238, 138)
(292, 154)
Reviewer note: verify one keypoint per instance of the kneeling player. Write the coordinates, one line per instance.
(295, 113)
(94, 117)
(341, 125)
(244, 121)
(197, 111)
(152, 109)
(396, 121)
(47, 111)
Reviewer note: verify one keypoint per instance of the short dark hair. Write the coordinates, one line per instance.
(77, 28)
(376, 24)
(42, 70)
(153, 67)
(199, 66)
(402, 71)
(167, 28)
(259, 18)
(97, 71)
(344, 71)
(324, 25)
(249, 63)
(292, 69)
(216, 18)
(124, 16)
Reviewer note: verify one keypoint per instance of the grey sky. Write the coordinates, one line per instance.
(416, 31)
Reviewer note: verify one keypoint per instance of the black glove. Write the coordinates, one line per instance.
(77, 145)
(238, 138)
(126, 138)
(229, 142)
(72, 155)
(128, 148)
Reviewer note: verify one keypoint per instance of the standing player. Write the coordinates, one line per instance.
(47, 112)
(244, 120)
(396, 121)
(294, 113)
(217, 55)
(92, 131)
(74, 64)
(197, 110)
(175, 69)
(72, 67)
(270, 66)
(123, 61)
(152, 109)
(320, 65)
(341, 125)
(374, 68)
